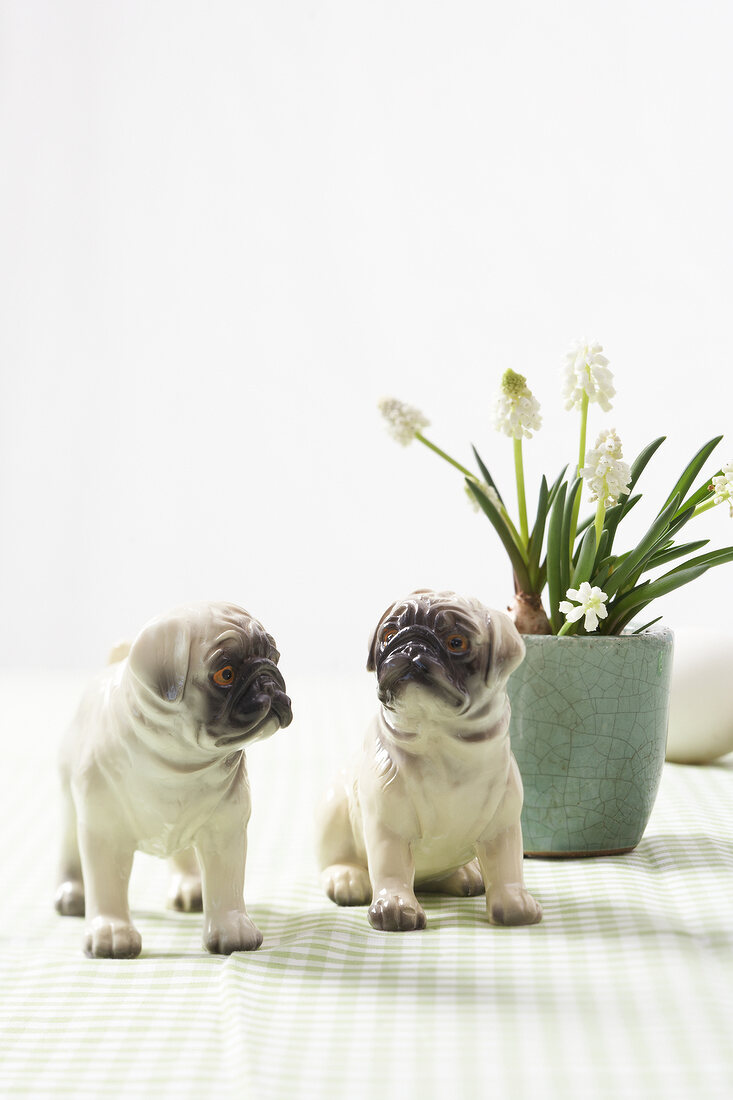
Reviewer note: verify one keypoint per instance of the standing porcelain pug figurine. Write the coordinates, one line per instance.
(154, 761)
(435, 801)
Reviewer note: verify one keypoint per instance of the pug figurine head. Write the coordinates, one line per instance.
(217, 664)
(439, 654)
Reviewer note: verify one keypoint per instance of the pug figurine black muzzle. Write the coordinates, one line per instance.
(256, 699)
(416, 654)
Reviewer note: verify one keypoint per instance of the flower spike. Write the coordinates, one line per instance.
(723, 486)
(488, 490)
(587, 373)
(607, 476)
(403, 421)
(517, 410)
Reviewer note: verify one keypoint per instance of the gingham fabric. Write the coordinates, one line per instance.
(624, 990)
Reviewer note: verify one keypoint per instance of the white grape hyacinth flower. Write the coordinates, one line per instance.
(723, 486)
(586, 372)
(606, 474)
(488, 491)
(590, 603)
(517, 410)
(403, 421)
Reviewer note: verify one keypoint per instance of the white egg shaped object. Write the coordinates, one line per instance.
(701, 696)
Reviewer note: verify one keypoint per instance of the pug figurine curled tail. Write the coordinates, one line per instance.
(154, 760)
(435, 800)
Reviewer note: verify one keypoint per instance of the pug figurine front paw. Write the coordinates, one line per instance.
(396, 912)
(435, 801)
(154, 760)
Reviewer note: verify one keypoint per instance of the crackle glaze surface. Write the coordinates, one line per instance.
(588, 730)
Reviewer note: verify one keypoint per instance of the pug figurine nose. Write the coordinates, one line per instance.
(419, 662)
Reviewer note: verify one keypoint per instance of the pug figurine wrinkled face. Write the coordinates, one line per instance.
(435, 800)
(154, 760)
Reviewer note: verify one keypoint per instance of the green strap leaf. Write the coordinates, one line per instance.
(637, 557)
(556, 551)
(626, 502)
(615, 514)
(626, 607)
(641, 629)
(601, 552)
(692, 469)
(601, 573)
(555, 488)
(662, 548)
(515, 554)
(567, 549)
(679, 519)
(583, 526)
(485, 473)
(640, 462)
(669, 553)
(538, 531)
(586, 558)
(613, 517)
(551, 497)
(714, 557)
(703, 493)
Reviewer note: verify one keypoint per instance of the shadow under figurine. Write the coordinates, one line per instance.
(154, 761)
(435, 801)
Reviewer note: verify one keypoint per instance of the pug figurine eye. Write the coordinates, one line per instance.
(388, 634)
(457, 643)
(224, 677)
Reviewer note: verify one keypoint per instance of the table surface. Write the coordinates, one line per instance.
(624, 990)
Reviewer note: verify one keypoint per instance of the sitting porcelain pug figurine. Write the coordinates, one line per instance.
(435, 802)
(154, 761)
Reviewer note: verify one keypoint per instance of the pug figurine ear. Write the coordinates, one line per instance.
(506, 648)
(372, 658)
(160, 655)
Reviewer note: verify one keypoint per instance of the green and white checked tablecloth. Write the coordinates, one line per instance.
(624, 990)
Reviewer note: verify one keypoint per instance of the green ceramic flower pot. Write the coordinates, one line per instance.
(588, 730)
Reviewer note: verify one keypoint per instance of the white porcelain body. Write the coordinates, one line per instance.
(154, 761)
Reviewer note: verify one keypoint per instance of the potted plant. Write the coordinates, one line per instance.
(590, 701)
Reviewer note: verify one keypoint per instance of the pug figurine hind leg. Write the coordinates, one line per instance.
(435, 801)
(154, 760)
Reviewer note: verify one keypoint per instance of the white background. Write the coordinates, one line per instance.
(229, 228)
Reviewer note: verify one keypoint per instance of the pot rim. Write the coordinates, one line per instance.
(655, 633)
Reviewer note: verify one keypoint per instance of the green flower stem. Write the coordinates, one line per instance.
(600, 516)
(565, 628)
(433, 447)
(581, 463)
(467, 473)
(704, 507)
(583, 430)
(521, 496)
